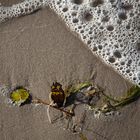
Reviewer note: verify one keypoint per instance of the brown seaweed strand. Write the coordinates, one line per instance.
(37, 100)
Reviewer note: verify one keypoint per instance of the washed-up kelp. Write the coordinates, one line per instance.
(85, 92)
(97, 99)
(113, 104)
(58, 96)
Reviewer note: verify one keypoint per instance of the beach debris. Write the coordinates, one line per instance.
(90, 94)
(57, 95)
(78, 87)
(82, 136)
(82, 93)
(132, 95)
(40, 101)
(19, 96)
(66, 100)
(111, 104)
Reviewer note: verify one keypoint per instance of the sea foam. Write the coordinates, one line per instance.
(110, 28)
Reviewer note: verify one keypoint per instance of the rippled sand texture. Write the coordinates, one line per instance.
(36, 50)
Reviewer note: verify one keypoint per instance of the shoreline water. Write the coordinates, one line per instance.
(45, 51)
(114, 57)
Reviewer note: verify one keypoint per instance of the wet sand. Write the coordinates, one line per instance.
(38, 49)
(9, 2)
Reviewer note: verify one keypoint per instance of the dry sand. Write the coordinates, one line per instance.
(38, 49)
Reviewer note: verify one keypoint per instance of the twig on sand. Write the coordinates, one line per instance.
(48, 111)
(37, 100)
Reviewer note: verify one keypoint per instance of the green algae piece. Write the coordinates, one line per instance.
(108, 97)
(19, 95)
(132, 95)
(82, 136)
(76, 88)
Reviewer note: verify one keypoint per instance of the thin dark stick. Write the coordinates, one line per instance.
(36, 100)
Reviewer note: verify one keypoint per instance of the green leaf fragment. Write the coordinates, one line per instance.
(110, 98)
(132, 95)
(78, 87)
(19, 95)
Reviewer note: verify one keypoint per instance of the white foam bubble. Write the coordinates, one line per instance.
(110, 28)
(26, 7)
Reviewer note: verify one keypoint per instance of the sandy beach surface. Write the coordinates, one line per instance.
(35, 51)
